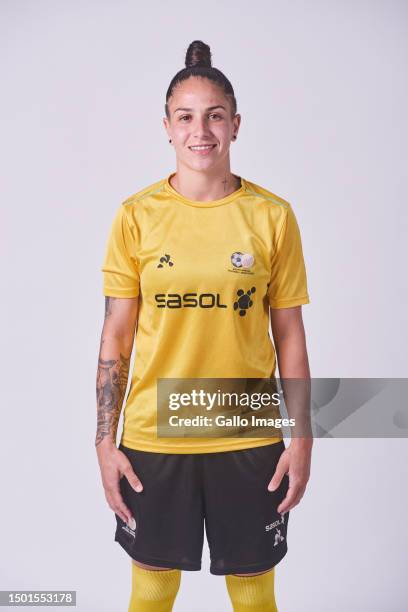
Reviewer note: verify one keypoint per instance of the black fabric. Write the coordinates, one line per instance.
(225, 492)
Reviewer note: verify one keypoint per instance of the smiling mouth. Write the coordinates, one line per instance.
(201, 147)
(202, 150)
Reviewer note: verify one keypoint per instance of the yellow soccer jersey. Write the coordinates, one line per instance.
(234, 257)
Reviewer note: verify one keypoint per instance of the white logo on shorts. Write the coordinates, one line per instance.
(281, 521)
(130, 527)
(132, 523)
(278, 537)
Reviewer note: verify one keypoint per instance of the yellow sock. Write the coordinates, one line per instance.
(252, 593)
(153, 590)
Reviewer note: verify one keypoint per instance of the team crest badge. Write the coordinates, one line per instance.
(242, 262)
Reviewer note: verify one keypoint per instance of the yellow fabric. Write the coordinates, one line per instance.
(153, 590)
(252, 593)
(174, 340)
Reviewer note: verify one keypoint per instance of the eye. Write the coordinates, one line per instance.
(216, 115)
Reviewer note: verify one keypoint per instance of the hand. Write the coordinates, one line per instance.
(114, 464)
(295, 460)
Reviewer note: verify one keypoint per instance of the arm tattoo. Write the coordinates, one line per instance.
(111, 385)
(108, 306)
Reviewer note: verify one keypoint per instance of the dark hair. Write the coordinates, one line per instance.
(198, 63)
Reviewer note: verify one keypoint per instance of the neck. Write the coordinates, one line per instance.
(204, 186)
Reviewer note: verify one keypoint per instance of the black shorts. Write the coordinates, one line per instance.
(224, 491)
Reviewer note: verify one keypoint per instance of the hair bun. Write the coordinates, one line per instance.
(198, 54)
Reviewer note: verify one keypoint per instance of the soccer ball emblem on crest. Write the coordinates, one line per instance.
(242, 260)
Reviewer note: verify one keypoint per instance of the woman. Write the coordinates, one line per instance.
(194, 265)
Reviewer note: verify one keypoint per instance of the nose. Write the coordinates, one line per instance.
(200, 129)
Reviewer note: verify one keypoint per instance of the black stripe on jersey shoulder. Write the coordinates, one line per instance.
(144, 193)
(256, 190)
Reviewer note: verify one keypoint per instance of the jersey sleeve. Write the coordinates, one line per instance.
(120, 265)
(288, 282)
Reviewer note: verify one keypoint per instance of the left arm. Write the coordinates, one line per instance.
(290, 343)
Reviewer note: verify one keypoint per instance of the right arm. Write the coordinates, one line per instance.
(117, 338)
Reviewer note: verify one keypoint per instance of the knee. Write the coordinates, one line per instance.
(255, 591)
(154, 584)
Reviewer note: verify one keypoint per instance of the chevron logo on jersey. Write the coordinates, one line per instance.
(165, 260)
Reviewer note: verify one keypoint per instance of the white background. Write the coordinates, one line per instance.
(322, 90)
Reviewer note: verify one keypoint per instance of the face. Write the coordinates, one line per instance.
(200, 114)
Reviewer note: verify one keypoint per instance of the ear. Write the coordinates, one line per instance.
(237, 122)
(167, 126)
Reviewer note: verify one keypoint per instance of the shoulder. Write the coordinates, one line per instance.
(133, 208)
(277, 210)
(270, 198)
(150, 190)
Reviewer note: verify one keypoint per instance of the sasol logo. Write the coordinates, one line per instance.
(205, 300)
(280, 521)
(189, 300)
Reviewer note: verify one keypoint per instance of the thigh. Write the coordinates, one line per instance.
(245, 532)
(168, 525)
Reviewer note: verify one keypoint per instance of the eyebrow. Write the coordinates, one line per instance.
(208, 108)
